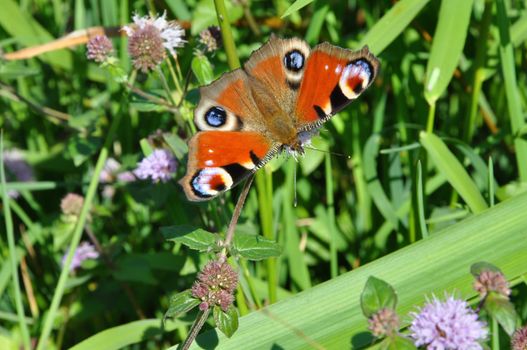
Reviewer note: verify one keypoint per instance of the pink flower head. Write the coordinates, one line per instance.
(449, 324)
(160, 165)
(83, 252)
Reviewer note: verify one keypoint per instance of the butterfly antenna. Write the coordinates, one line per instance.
(347, 156)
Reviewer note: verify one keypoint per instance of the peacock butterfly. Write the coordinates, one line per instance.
(275, 103)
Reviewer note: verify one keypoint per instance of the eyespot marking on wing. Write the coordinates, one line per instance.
(216, 116)
(355, 77)
(209, 182)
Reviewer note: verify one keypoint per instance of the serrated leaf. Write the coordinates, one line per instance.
(397, 342)
(481, 266)
(202, 69)
(502, 310)
(377, 295)
(181, 303)
(227, 322)
(254, 247)
(192, 237)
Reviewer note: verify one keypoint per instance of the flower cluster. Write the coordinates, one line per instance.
(17, 169)
(211, 38)
(149, 37)
(83, 252)
(99, 48)
(158, 166)
(449, 324)
(384, 322)
(491, 281)
(519, 339)
(71, 204)
(215, 285)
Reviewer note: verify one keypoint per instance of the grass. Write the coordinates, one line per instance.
(430, 175)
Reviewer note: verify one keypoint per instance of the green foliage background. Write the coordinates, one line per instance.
(434, 145)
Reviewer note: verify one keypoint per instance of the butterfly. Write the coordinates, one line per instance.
(276, 102)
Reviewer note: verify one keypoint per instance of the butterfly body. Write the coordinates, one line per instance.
(277, 102)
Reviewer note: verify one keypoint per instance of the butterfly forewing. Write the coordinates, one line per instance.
(334, 77)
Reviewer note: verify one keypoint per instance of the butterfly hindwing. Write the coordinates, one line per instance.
(218, 160)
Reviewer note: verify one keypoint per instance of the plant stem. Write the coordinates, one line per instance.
(226, 34)
(479, 69)
(77, 233)
(514, 102)
(431, 118)
(166, 87)
(196, 326)
(236, 215)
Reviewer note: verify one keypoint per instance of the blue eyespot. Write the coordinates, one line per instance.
(216, 116)
(294, 60)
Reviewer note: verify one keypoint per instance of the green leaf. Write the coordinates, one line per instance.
(181, 303)
(133, 268)
(81, 148)
(448, 165)
(296, 6)
(385, 30)
(447, 46)
(192, 237)
(29, 32)
(13, 70)
(254, 247)
(180, 9)
(147, 107)
(227, 322)
(202, 69)
(176, 144)
(397, 342)
(377, 295)
(381, 200)
(146, 148)
(314, 155)
(497, 234)
(501, 309)
(126, 334)
(477, 268)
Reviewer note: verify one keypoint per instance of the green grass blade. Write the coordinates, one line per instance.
(514, 103)
(29, 32)
(331, 217)
(296, 6)
(296, 260)
(384, 32)
(13, 261)
(329, 314)
(381, 200)
(447, 163)
(519, 31)
(124, 335)
(420, 201)
(77, 233)
(447, 46)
